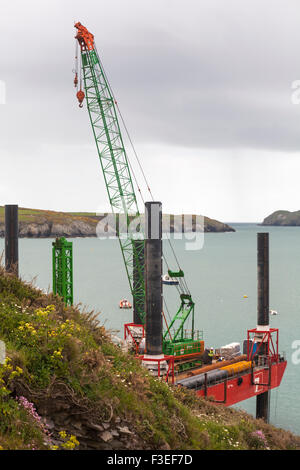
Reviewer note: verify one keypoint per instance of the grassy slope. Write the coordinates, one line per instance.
(57, 348)
(39, 216)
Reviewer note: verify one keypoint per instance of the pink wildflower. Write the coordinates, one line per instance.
(37, 418)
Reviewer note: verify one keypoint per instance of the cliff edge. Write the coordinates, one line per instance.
(34, 223)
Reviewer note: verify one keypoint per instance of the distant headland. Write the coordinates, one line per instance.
(35, 223)
(283, 218)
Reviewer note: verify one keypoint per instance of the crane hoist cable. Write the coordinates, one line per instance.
(126, 130)
(116, 104)
(80, 93)
(76, 66)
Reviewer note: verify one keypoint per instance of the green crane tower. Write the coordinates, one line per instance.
(62, 263)
(115, 166)
(113, 158)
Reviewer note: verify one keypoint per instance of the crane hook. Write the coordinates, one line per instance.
(80, 96)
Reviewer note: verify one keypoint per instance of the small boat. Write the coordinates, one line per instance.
(166, 279)
(273, 312)
(124, 303)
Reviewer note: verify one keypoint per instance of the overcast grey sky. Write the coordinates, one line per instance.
(204, 87)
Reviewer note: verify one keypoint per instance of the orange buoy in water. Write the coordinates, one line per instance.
(80, 96)
(125, 304)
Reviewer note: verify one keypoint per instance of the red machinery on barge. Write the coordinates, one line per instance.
(232, 390)
(264, 372)
(232, 381)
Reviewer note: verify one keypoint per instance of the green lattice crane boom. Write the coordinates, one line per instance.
(101, 107)
(113, 158)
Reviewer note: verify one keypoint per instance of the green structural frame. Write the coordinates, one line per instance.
(62, 262)
(115, 167)
(176, 340)
(186, 308)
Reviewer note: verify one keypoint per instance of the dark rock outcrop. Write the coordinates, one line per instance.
(53, 230)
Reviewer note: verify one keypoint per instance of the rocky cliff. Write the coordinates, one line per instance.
(35, 223)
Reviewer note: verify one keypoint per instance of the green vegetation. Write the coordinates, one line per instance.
(61, 363)
(41, 216)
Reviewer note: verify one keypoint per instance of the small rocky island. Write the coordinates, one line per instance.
(34, 223)
(283, 218)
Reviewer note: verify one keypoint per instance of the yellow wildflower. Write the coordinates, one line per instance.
(63, 434)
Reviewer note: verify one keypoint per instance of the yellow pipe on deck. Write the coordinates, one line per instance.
(237, 367)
